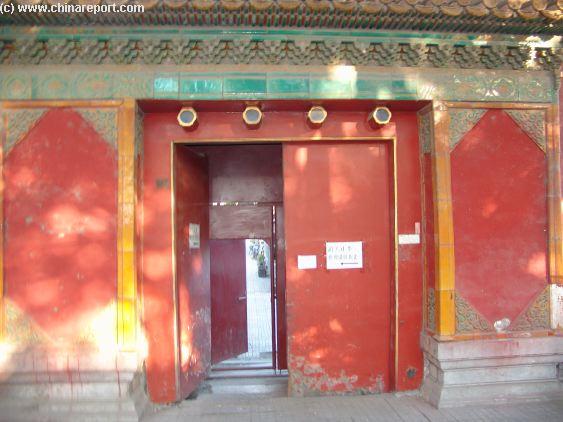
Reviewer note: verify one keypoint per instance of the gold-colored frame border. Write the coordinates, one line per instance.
(443, 212)
(126, 292)
(282, 140)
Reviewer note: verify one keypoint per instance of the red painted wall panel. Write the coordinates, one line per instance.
(60, 208)
(500, 217)
(162, 128)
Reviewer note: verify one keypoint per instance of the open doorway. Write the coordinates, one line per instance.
(242, 335)
(243, 256)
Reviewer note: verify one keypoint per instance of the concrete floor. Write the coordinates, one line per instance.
(264, 400)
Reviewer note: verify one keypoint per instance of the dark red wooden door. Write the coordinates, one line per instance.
(229, 335)
(191, 230)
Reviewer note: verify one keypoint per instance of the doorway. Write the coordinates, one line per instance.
(243, 252)
(241, 304)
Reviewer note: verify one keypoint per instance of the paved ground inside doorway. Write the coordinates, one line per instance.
(264, 401)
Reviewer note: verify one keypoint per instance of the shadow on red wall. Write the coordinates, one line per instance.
(60, 207)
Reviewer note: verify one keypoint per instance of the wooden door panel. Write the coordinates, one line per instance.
(191, 213)
(229, 335)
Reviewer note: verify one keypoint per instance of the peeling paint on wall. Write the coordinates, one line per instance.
(311, 379)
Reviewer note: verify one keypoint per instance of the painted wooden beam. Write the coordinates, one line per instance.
(126, 268)
(443, 223)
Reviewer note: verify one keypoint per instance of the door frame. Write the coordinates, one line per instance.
(391, 138)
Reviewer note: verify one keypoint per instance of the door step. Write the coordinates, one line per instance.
(263, 386)
(245, 373)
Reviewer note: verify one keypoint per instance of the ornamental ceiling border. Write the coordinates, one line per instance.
(181, 50)
(491, 16)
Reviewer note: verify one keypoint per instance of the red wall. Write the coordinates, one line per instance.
(60, 207)
(162, 128)
(500, 217)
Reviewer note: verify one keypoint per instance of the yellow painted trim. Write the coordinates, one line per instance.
(443, 223)
(2, 299)
(126, 262)
(554, 196)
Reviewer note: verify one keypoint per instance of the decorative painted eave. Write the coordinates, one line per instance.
(183, 46)
(480, 16)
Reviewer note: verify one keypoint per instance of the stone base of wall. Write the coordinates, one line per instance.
(86, 385)
(491, 371)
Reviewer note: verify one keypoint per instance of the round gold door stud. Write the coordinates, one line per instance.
(379, 116)
(187, 117)
(252, 116)
(316, 116)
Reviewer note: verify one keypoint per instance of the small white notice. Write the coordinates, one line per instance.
(343, 255)
(193, 236)
(306, 262)
(409, 239)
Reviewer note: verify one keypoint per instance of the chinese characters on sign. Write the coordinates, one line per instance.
(343, 255)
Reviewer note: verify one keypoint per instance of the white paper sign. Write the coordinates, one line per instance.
(343, 255)
(409, 239)
(193, 236)
(306, 262)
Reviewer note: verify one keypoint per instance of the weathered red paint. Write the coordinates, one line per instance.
(229, 333)
(158, 292)
(193, 289)
(500, 217)
(162, 128)
(339, 323)
(409, 365)
(60, 210)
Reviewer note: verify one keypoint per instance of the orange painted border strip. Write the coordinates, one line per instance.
(2, 141)
(126, 260)
(443, 222)
(554, 196)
